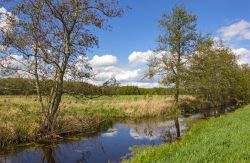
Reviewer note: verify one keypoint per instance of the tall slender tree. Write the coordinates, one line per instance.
(176, 41)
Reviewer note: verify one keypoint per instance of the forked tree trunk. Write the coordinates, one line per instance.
(58, 91)
(53, 107)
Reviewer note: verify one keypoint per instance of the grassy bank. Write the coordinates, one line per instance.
(223, 139)
(20, 116)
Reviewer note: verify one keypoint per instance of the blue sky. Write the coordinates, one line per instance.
(125, 49)
(137, 30)
(123, 52)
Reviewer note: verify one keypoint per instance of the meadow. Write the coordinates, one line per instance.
(223, 139)
(20, 116)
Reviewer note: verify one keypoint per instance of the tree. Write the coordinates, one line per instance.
(110, 87)
(241, 93)
(112, 82)
(176, 41)
(50, 39)
(213, 74)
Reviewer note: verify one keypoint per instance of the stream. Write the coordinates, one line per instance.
(111, 145)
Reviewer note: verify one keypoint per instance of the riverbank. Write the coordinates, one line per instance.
(223, 139)
(98, 148)
(20, 116)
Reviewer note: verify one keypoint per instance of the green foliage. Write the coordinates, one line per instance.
(178, 32)
(17, 86)
(176, 41)
(223, 139)
(242, 86)
(214, 76)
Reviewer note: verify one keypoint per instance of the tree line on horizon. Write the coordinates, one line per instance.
(22, 86)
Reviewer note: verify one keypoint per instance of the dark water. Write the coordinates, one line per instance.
(112, 145)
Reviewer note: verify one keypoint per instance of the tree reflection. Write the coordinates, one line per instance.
(59, 154)
(177, 126)
(48, 156)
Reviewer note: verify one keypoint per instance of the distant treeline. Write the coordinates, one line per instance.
(21, 86)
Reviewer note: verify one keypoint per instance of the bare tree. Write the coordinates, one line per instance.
(50, 39)
(112, 82)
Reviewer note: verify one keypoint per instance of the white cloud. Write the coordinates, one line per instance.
(15, 65)
(128, 75)
(127, 78)
(105, 67)
(243, 55)
(104, 60)
(5, 23)
(232, 35)
(137, 58)
(104, 75)
(239, 30)
(122, 74)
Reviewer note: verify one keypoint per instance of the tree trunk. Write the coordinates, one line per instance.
(177, 82)
(54, 106)
(177, 93)
(37, 81)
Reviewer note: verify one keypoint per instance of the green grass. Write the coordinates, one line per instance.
(223, 139)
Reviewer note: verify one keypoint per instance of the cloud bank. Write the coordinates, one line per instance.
(130, 73)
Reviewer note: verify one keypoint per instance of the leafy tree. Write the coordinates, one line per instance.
(51, 39)
(212, 73)
(177, 40)
(242, 86)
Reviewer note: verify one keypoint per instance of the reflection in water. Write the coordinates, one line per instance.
(108, 146)
(112, 144)
(111, 132)
(47, 155)
(4, 159)
(167, 131)
(62, 153)
(177, 127)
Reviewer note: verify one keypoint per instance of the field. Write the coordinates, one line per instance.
(223, 139)
(20, 116)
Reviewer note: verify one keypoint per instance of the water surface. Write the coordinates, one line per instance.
(111, 145)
